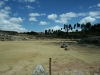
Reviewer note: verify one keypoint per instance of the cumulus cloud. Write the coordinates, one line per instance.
(36, 14)
(6, 0)
(82, 14)
(93, 6)
(1, 3)
(98, 17)
(16, 20)
(25, 0)
(96, 13)
(65, 17)
(87, 19)
(62, 20)
(43, 23)
(69, 15)
(10, 23)
(32, 19)
(29, 7)
(7, 8)
(55, 27)
(15, 14)
(98, 5)
(52, 16)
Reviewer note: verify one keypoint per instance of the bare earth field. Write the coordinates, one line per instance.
(21, 57)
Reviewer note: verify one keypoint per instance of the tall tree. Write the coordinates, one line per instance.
(61, 28)
(66, 28)
(88, 25)
(78, 25)
(52, 30)
(70, 26)
(74, 26)
(46, 32)
(49, 31)
(82, 26)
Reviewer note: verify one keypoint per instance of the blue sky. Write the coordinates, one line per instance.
(38, 15)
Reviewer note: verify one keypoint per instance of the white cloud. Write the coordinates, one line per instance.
(36, 14)
(62, 20)
(43, 23)
(55, 27)
(82, 14)
(98, 5)
(6, 0)
(43, 14)
(15, 14)
(98, 17)
(25, 0)
(65, 17)
(7, 8)
(52, 16)
(87, 19)
(4, 12)
(1, 3)
(32, 19)
(69, 15)
(16, 20)
(10, 23)
(96, 13)
(29, 7)
(93, 6)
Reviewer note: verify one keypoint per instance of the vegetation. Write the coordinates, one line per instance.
(69, 31)
(77, 31)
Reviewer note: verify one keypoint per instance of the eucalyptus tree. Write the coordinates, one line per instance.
(66, 28)
(46, 31)
(74, 26)
(82, 26)
(88, 25)
(70, 26)
(78, 25)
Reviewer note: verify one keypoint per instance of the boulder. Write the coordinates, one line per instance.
(66, 48)
(64, 45)
(39, 70)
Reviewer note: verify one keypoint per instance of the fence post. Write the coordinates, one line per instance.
(49, 66)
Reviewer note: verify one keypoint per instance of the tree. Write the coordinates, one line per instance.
(70, 26)
(78, 25)
(88, 25)
(66, 28)
(52, 30)
(61, 28)
(49, 31)
(74, 26)
(82, 27)
(46, 32)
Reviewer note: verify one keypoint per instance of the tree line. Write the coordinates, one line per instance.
(69, 30)
(76, 29)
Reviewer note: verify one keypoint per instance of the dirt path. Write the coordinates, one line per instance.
(20, 57)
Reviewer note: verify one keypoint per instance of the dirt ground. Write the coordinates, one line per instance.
(21, 57)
